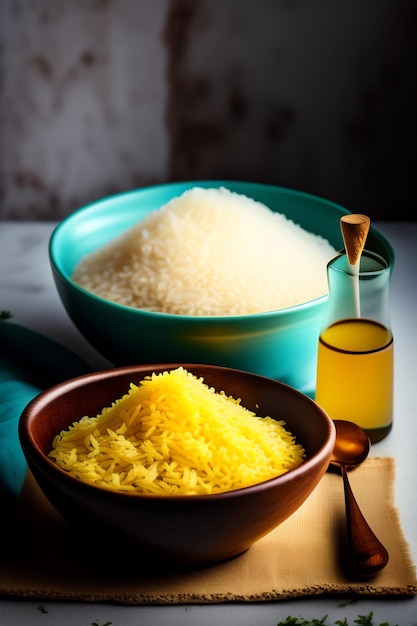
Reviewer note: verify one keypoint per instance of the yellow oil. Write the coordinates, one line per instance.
(355, 374)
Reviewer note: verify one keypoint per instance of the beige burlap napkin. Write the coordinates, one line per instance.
(305, 556)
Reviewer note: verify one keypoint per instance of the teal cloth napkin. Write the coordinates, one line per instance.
(29, 363)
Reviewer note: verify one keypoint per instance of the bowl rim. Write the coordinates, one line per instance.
(192, 319)
(37, 457)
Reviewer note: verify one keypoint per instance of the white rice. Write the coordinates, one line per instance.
(209, 252)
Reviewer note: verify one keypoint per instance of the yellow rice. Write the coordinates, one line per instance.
(173, 434)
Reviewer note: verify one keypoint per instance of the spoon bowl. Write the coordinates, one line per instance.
(368, 554)
(352, 445)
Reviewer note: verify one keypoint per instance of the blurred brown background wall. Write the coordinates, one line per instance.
(102, 96)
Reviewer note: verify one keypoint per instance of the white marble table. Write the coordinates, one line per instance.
(28, 291)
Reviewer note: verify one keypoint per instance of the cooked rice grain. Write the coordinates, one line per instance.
(173, 434)
(209, 252)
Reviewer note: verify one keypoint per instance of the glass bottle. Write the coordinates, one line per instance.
(355, 362)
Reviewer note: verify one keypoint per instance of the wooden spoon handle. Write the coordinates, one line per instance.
(368, 554)
(355, 228)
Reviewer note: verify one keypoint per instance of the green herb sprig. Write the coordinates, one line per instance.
(362, 620)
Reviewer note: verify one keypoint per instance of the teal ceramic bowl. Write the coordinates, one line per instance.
(278, 344)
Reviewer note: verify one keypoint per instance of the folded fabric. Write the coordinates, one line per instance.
(29, 363)
(308, 555)
(14, 396)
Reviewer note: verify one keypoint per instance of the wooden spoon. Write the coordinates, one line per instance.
(368, 554)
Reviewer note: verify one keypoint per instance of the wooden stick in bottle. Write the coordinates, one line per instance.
(355, 228)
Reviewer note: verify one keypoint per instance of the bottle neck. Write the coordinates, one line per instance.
(361, 292)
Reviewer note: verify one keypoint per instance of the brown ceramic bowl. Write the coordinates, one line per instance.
(183, 530)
